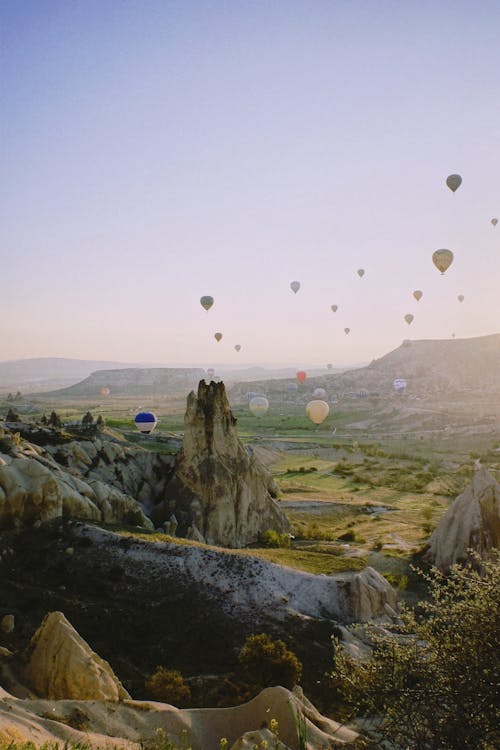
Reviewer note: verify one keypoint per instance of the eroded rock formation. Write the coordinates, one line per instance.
(471, 522)
(93, 479)
(61, 665)
(220, 491)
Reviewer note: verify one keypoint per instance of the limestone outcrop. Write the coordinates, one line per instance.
(471, 522)
(220, 492)
(61, 665)
(96, 479)
(125, 725)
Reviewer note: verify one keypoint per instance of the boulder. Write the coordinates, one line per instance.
(61, 665)
(471, 522)
(218, 488)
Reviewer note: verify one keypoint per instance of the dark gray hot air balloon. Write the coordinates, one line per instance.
(453, 181)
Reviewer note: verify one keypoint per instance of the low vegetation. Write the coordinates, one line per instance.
(434, 681)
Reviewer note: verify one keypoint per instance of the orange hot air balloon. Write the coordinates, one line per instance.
(317, 411)
(301, 376)
(105, 391)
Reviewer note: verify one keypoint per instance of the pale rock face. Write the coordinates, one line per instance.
(88, 480)
(471, 522)
(219, 487)
(61, 665)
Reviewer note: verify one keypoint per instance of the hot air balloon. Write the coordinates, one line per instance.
(409, 318)
(399, 385)
(453, 181)
(334, 308)
(105, 391)
(301, 376)
(295, 286)
(460, 298)
(418, 294)
(145, 422)
(319, 393)
(317, 411)
(258, 405)
(442, 259)
(206, 302)
(237, 347)
(346, 331)
(361, 272)
(494, 222)
(217, 336)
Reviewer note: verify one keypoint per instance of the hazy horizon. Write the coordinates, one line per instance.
(153, 153)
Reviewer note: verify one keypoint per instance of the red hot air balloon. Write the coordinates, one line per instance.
(301, 376)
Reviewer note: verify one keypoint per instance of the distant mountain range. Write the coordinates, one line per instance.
(48, 373)
(428, 366)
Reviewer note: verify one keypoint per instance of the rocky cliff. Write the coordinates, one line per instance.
(471, 522)
(96, 479)
(220, 492)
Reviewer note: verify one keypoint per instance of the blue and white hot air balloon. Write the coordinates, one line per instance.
(145, 422)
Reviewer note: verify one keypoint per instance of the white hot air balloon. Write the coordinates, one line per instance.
(317, 411)
(399, 385)
(319, 393)
(295, 286)
(258, 405)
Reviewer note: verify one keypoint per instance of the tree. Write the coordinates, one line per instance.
(54, 420)
(265, 662)
(100, 422)
(88, 420)
(168, 686)
(435, 683)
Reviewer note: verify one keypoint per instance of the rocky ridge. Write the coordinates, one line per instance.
(471, 522)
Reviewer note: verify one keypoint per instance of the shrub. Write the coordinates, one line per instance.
(271, 538)
(168, 686)
(435, 685)
(265, 662)
(348, 536)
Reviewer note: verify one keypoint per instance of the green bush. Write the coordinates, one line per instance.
(435, 684)
(265, 662)
(168, 686)
(271, 538)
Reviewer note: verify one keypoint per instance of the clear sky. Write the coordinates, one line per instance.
(155, 151)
